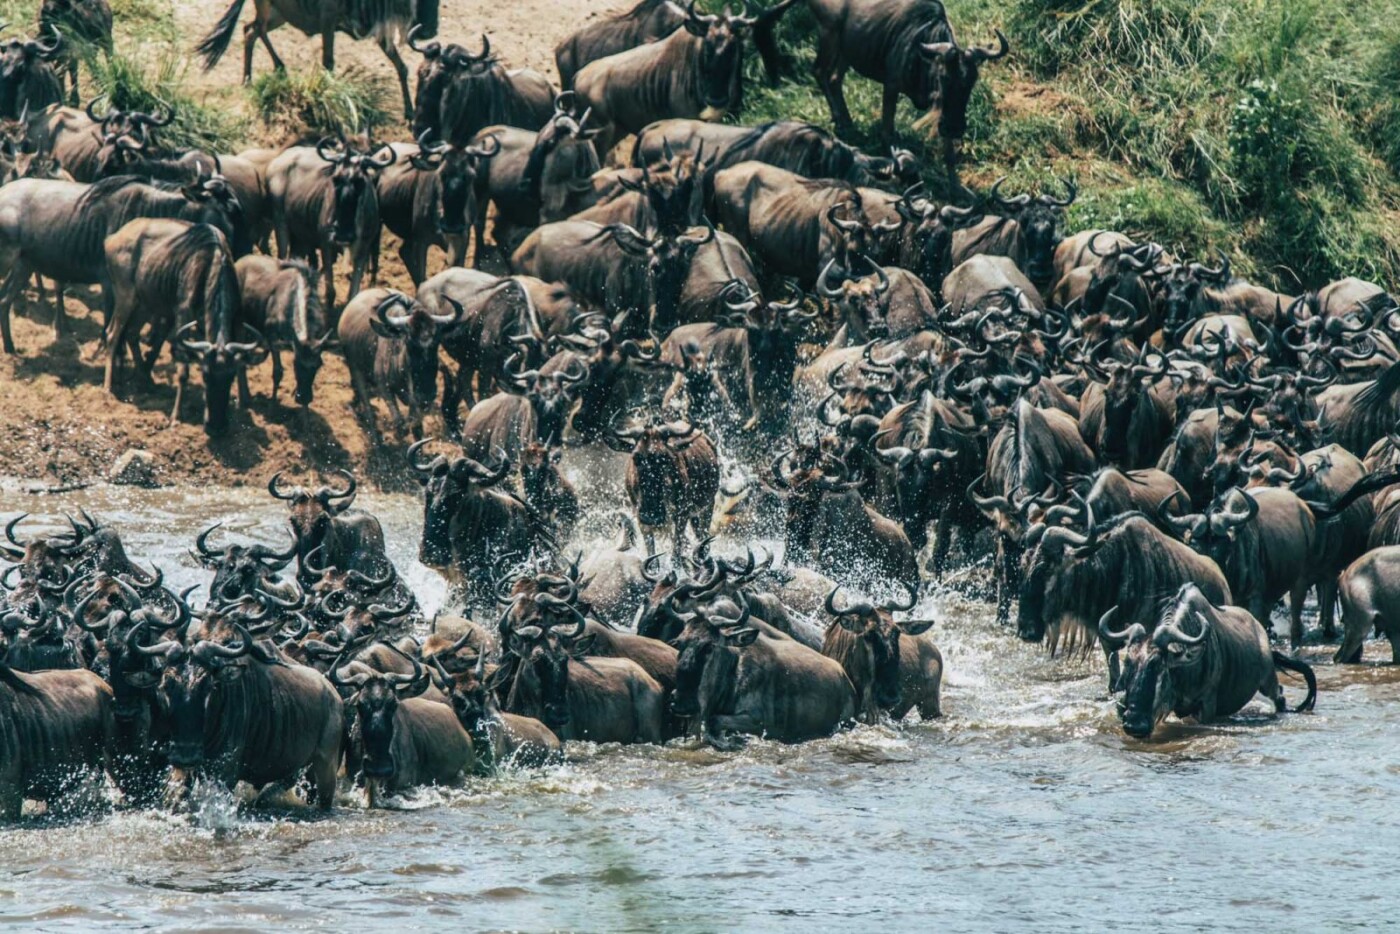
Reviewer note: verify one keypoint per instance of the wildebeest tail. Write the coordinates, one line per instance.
(1304, 669)
(214, 45)
(1366, 485)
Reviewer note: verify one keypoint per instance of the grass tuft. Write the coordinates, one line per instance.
(129, 85)
(320, 103)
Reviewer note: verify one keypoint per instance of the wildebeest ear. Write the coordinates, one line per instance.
(915, 627)
(741, 637)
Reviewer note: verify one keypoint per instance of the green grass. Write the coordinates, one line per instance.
(130, 85)
(1269, 130)
(320, 103)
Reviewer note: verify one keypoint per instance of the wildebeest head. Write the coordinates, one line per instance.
(1149, 660)
(551, 394)
(661, 614)
(312, 512)
(241, 570)
(1052, 573)
(1041, 219)
(919, 471)
(297, 294)
(43, 559)
(353, 177)
(1122, 273)
(128, 140)
(672, 187)
(448, 484)
(878, 634)
(1179, 288)
(861, 298)
(869, 391)
(220, 362)
(721, 58)
(454, 207)
(420, 332)
(709, 647)
(1214, 532)
(543, 632)
(772, 329)
(854, 236)
(661, 470)
(949, 74)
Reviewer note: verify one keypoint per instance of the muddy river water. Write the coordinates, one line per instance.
(1025, 805)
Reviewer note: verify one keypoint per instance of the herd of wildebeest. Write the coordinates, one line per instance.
(780, 336)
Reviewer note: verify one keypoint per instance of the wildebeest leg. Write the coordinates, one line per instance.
(451, 403)
(830, 72)
(277, 372)
(328, 257)
(1006, 563)
(181, 382)
(739, 726)
(18, 275)
(73, 80)
(386, 42)
(245, 395)
(1327, 607)
(1110, 657)
(887, 108)
(1295, 614)
(765, 40)
(60, 314)
(942, 541)
(362, 400)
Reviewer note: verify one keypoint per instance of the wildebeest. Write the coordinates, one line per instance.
(696, 71)
(429, 199)
(28, 83)
(460, 93)
(239, 714)
(890, 665)
(56, 732)
(498, 738)
(1027, 229)
(400, 740)
(908, 46)
(1265, 541)
(1370, 603)
(58, 228)
(1071, 579)
(672, 477)
(391, 344)
(732, 677)
(171, 274)
(325, 199)
(280, 301)
(1205, 674)
(322, 521)
(389, 21)
(646, 22)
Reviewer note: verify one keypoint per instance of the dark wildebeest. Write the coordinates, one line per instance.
(534, 407)
(460, 93)
(498, 738)
(1070, 580)
(171, 274)
(736, 676)
(467, 524)
(795, 225)
(28, 83)
(393, 354)
(281, 302)
(831, 527)
(1207, 674)
(597, 699)
(400, 740)
(324, 201)
(535, 178)
(875, 302)
(56, 732)
(240, 713)
(89, 22)
(887, 672)
(243, 570)
(696, 71)
(802, 148)
(58, 228)
(908, 46)
(1027, 229)
(1370, 603)
(429, 199)
(322, 520)
(646, 22)
(389, 21)
(1130, 421)
(1265, 541)
(672, 478)
(754, 351)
